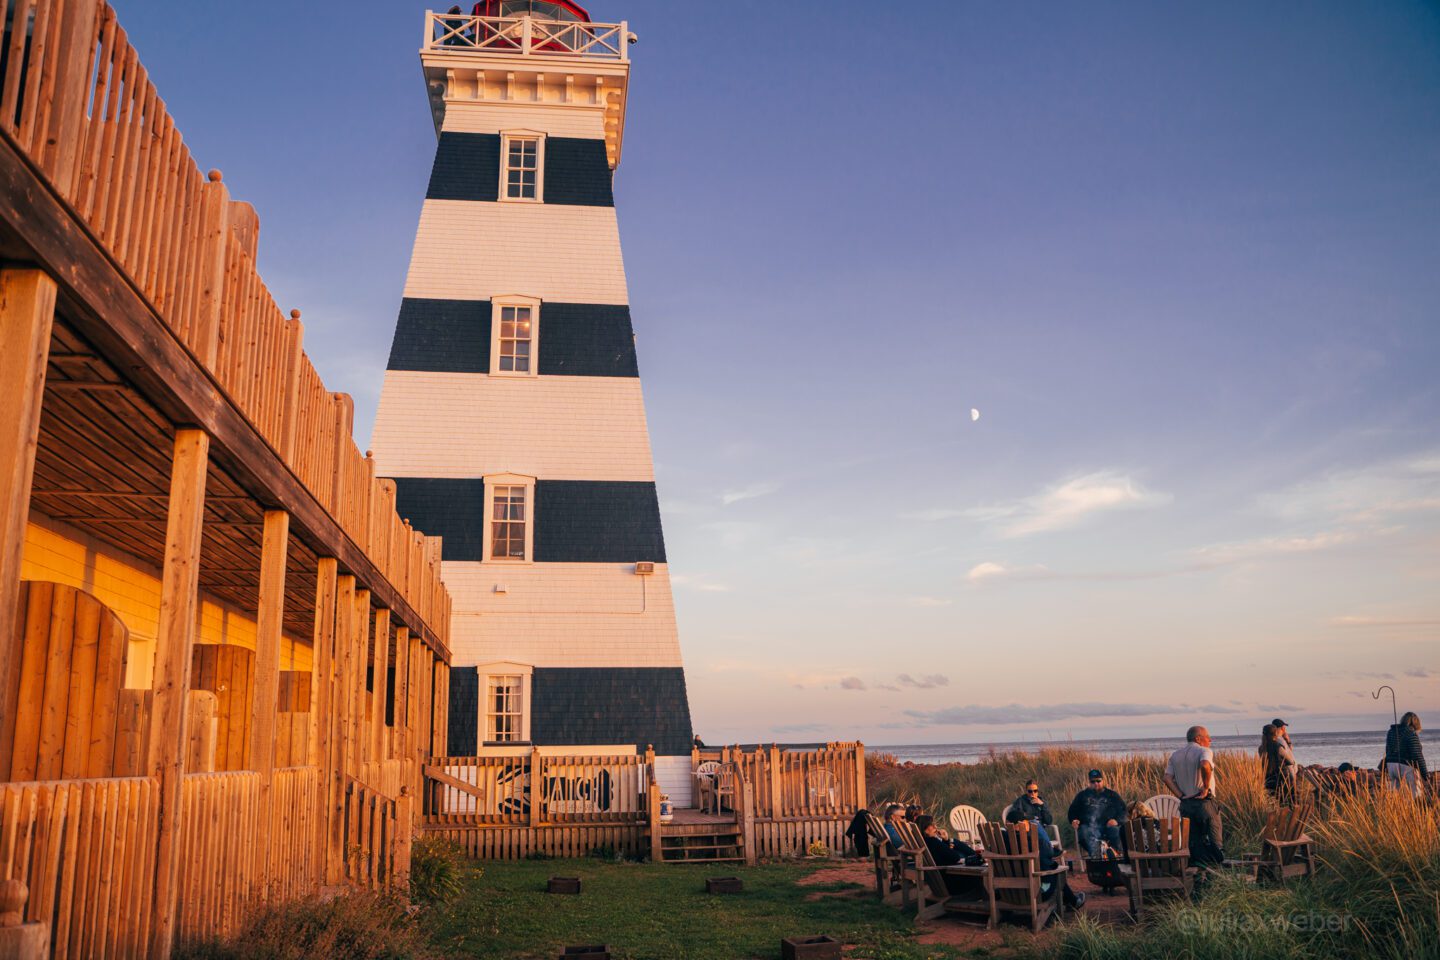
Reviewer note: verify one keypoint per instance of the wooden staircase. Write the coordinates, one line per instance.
(696, 837)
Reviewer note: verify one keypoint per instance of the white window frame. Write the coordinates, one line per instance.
(510, 480)
(504, 668)
(497, 310)
(505, 137)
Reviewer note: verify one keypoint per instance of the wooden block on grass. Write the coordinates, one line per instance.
(724, 885)
(599, 952)
(563, 885)
(810, 948)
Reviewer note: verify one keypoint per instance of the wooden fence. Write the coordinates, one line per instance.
(823, 782)
(86, 850)
(499, 790)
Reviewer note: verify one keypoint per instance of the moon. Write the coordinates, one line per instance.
(974, 414)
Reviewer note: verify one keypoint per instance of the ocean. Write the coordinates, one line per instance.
(1363, 748)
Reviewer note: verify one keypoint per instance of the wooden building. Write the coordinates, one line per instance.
(221, 649)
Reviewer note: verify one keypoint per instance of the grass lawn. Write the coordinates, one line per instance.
(646, 911)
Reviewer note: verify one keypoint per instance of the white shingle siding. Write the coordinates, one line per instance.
(557, 120)
(473, 425)
(562, 614)
(471, 250)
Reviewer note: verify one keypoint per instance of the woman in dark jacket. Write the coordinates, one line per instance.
(1404, 763)
(1279, 765)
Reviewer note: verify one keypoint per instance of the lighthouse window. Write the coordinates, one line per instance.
(522, 168)
(515, 326)
(507, 523)
(503, 709)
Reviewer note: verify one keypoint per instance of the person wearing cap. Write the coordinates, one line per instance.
(1282, 730)
(1095, 813)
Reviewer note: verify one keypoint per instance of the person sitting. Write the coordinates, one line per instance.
(893, 815)
(1095, 813)
(950, 853)
(1073, 900)
(1031, 805)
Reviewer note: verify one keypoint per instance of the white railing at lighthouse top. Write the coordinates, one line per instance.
(525, 36)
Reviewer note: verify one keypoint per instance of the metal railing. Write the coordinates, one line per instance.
(524, 36)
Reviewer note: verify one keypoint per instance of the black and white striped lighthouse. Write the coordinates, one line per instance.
(512, 418)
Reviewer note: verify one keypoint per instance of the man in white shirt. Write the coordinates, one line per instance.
(1190, 775)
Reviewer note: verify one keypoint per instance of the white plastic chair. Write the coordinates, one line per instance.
(1164, 805)
(965, 824)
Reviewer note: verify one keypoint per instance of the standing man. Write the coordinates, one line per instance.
(1190, 775)
(1095, 813)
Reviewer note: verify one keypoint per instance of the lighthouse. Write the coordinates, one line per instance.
(511, 416)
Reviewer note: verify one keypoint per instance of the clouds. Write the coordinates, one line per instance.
(1420, 673)
(1362, 496)
(990, 570)
(749, 492)
(1064, 504)
(927, 682)
(852, 683)
(1015, 713)
(1222, 554)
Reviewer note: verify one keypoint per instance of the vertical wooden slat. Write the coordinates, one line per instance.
(27, 310)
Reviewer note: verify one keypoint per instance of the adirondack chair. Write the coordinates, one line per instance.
(1012, 851)
(1158, 859)
(1164, 805)
(886, 860)
(1285, 850)
(927, 878)
(964, 824)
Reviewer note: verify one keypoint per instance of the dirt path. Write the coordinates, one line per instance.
(958, 931)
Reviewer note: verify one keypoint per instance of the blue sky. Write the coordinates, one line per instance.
(1182, 259)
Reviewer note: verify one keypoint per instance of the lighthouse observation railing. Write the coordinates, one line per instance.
(525, 36)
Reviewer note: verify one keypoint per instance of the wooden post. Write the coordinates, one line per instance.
(60, 147)
(27, 311)
(379, 691)
(339, 711)
(322, 684)
(294, 357)
(359, 731)
(402, 673)
(20, 940)
(214, 211)
(405, 824)
(860, 801)
(776, 792)
(747, 822)
(537, 787)
(269, 626)
(174, 641)
(652, 808)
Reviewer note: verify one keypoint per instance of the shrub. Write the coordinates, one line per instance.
(435, 866)
(358, 926)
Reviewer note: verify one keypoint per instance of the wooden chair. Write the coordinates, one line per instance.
(1012, 852)
(921, 872)
(705, 774)
(1164, 805)
(1285, 850)
(964, 824)
(889, 885)
(1158, 859)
